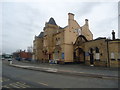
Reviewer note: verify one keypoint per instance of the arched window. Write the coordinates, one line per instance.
(97, 55)
(91, 50)
(97, 50)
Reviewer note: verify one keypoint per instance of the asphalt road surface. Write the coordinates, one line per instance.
(22, 78)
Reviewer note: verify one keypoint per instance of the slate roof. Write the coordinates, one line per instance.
(66, 26)
(99, 38)
(60, 27)
(52, 21)
(41, 35)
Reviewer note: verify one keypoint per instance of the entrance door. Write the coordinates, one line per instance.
(91, 56)
(56, 56)
(49, 56)
(79, 55)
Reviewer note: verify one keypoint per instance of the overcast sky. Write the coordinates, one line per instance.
(21, 21)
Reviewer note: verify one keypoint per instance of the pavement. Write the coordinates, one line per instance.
(69, 69)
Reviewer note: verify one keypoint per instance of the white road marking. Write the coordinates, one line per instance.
(22, 84)
(4, 79)
(14, 85)
(17, 85)
(52, 70)
(5, 86)
(43, 84)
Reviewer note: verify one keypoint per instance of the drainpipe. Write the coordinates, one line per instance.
(108, 54)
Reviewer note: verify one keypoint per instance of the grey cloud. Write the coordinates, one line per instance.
(86, 7)
(22, 21)
(107, 25)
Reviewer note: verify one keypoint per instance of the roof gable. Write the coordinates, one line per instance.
(80, 39)
(52, 21)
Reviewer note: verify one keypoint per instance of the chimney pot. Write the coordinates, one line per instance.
(86, 21)
(113, 35)
(71, 16)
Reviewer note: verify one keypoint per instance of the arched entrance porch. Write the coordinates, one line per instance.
(79, 55)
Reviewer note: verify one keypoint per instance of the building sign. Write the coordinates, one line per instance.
(62, 55)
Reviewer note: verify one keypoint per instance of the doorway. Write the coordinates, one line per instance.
(79, 55)
(91, 56)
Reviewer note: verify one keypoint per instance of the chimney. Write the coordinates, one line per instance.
(86, 21)
(70, 19)
(71, 16)
(113, 35)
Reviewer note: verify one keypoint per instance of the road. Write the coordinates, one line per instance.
(23, 78)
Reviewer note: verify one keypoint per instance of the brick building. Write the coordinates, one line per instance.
(22, 55)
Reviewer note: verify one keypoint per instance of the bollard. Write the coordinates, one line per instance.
(91, 65)
(55, 61)
(11, 62)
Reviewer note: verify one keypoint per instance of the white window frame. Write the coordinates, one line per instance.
(97, 56)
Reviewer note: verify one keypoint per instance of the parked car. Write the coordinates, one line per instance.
(9, 59)
(28, 59)
(18, 58)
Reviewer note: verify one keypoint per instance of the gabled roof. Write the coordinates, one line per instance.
(52, 21)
